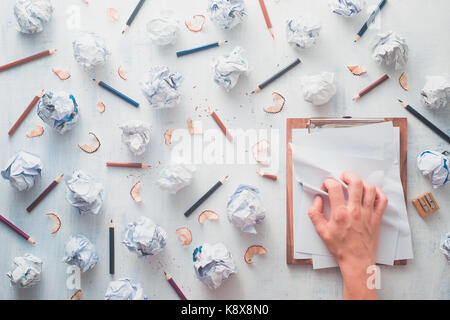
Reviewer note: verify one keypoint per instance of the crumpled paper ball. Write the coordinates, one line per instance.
(435, 166)
(89, 50)
(318, 89)
(227, 13)
(124, 289)
(144, 237)
(436, 92)
(213, 264)
(26, 271)
(347, 8)
(32, 14)
(244, 208)
(390, 48)
(160, 87)
(163, 30)
(227, 68)
(58, 110)
(445, 246)
(136, 135)
(175, 177)
(80, 252)
(302, 32)
(84, 193)
(22, 170)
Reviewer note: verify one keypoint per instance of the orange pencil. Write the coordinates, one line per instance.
(25, 113)
(266, 17)
(222, 126)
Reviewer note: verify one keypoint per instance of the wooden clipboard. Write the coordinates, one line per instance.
(310, 123)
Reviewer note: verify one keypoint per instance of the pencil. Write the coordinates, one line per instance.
(128, 165)
(371, 87)
(267, 175)
(28, 59)
(111, 247)
(205, 196)
(16, 229)
(266, 17)
(369, 20)
(425, 121)
(117, 93)
(45, 193)
(276, 76)
(25, 113)
(222, 126)
(174, 286)
(133, 15)
(205, 47)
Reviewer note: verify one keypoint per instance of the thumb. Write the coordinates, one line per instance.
(317, 217)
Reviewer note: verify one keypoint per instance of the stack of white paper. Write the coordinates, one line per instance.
(372, 152)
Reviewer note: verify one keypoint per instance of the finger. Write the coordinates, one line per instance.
(317, 217)
(335, 193)
(369, 195)
(355, 187)
(381, 202)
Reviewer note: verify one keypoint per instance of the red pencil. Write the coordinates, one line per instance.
(267, 175)
(25, 113)
(45, 193)
(127, 165)
(16, 229)
(371, 87)
(266, 17)
(174, 286)
(222, 126)
(28, 59)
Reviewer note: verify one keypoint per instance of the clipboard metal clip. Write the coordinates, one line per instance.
(344, 122)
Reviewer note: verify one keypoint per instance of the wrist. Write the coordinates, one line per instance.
(355, 276)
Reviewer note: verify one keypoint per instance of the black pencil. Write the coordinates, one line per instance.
(205, 196)
(133, 15)
(276, 76)
(425, 121)
(111, 248)
(369, 20)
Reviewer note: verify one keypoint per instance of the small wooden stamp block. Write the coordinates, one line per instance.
(425, 204)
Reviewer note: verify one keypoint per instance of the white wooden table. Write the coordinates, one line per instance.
(425, 26)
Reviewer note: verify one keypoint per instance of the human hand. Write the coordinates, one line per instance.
(351, 233)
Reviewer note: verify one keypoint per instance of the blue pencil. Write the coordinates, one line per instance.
(205, 47)
(117, 93)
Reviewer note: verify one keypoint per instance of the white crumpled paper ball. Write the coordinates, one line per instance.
(435, 166)
(213, 264)
(164, 29)
(347, 8)
(136, 135)
(84, 193)
(124, 289)
(26, 271)
(22, 170)
(318, 89)
(227, 68)
(58, 110)
(32, 14)
(160, 87)
(436, 92)
(244, 208)
(391, 49)
(144, 237)
(89, 50)
(303, 31)
(80, 252)
(175, 177)
(227, 13)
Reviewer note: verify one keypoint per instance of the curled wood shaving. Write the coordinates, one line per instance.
(122, 73)
(63, 75)
(168, 136)
(91, 148)
(101, 107)
(113, 14)
(36, 132)
(196, 23)
(356, 70)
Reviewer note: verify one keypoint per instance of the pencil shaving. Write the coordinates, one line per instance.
(78, 294)
(403, 80)
(62, 75)
(357, 70)
(93, 147)
(278, 101)
(122, 73)
(135, 192)
(208, 215)
(261, 152)
(184, 235)
(57, 221)
(252, 251)
(168, 137)
(101, 107)
(36, 132)
(196, 23)
(266, 175)
(193, 130)
(113, 14)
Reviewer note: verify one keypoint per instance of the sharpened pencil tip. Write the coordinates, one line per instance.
(400, 100)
